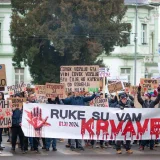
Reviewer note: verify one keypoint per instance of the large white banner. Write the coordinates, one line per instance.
(84, 122)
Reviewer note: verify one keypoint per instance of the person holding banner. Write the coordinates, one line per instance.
(80, 101)
(148, 103)
(123, 104)
(53, 140)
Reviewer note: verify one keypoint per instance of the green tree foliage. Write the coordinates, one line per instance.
(46, 34)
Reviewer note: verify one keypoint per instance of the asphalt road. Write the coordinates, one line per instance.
(64, 153)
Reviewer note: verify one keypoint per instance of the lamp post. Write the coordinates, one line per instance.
(135, 41)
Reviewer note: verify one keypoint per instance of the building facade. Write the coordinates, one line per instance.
(14, 75)
(122, 60)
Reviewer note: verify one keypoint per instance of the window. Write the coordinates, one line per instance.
(144, 33)
(19, 75)
(126, 72)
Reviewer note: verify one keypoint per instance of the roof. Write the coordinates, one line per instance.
(5, 1)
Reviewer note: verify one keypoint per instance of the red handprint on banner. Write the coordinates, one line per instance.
(36, 120)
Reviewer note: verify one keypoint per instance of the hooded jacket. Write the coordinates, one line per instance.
(148, 104)
(122, 105)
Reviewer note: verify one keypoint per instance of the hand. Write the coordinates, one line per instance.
(121, 107)
(158, 88)
(139, 88)
(36, 120)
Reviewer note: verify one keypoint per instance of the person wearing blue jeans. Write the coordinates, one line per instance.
(48, 143)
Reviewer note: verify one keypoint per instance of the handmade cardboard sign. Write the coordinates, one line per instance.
(5, 114)
(99, 102)
(3, 80)
(18, 88)
(149, 83)
(30, 90)
(80, 78)
(53, 90)
(17, 102)
(115, 87)
(40, 91)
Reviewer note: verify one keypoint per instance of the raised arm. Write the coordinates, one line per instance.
(67, 100)
(140, 100)
(86, 99)
(156, 101)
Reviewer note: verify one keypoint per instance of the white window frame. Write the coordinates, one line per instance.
(19, 74)
(125, 73)
(144, 33)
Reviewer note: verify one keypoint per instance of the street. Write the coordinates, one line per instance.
(64, 153)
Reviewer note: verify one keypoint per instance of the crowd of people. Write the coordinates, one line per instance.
(123, 100)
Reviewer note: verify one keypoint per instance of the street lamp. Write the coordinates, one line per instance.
(135, 41)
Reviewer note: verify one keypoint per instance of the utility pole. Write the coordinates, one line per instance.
(135, 40)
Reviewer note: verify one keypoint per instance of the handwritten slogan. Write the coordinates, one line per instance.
(80, 78)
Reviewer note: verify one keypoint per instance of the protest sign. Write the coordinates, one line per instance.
(83, 122)
(40, 91)
(134, 90)
(5, 114)
(18, 88)
(99, 102)
(104, 72)
(17, 102)
(115, 87)
(80, 78)
(53, 90)
(30, 90)
(3, 80)
(149, 83)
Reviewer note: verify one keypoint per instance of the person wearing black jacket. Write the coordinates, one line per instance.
(123, 104)
(16, 129)
(147, 103)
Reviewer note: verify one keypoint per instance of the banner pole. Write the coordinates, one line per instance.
(104, 83)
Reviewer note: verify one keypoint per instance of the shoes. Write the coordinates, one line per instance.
(129, 151)
(13, 149)
(1, 148)
(119, 152)
(32, 149)
(72, 148)
(36, 151)
(47, 149)
(152, 149)
(102, 146)
(61, 140)
(24, 152)
(54, 149)
(81, 148)
(67, 146)
(8, 140)
(141, 148)
(43, 147)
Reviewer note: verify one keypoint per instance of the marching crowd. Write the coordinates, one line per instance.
(123, 100)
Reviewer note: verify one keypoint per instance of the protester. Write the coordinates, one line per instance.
(80, 101)
(123, 104)
(16, 129)
(34, 142)
(148, 103)
(53, 140)
(113, 101)
(1, 129)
